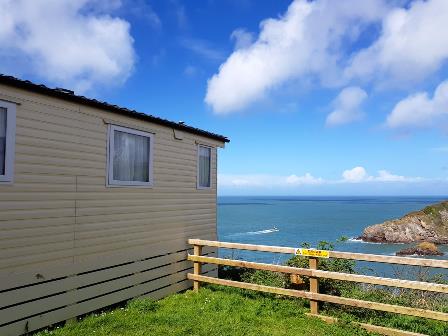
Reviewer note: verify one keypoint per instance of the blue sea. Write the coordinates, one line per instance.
(291, 221)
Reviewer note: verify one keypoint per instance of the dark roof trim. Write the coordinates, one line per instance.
(70, 96)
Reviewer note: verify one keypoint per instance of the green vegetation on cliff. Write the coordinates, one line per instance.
(438, 213)
(429, 224)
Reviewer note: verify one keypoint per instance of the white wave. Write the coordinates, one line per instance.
(356, 240)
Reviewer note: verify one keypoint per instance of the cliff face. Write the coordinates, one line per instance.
(429, 224)
(421, 249)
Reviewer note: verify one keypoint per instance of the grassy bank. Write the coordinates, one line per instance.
(228, 311)
(213, 311)
(390, 295)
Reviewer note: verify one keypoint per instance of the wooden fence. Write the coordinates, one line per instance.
(314, 274)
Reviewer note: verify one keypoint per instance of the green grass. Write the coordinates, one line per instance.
(213, 311)
(409, 298)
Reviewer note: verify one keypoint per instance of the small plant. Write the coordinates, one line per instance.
(342, 239)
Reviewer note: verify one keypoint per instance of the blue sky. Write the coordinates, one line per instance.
(318, 97)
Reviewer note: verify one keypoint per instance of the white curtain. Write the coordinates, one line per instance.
(131, 157)
(204, 166)
(2, 140)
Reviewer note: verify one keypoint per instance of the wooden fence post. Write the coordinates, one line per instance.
(314, 286)
(197, 250)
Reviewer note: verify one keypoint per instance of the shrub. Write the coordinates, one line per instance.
(232, 273)
(327, 286)
(274, 279)
(428, 246)
(266, 278)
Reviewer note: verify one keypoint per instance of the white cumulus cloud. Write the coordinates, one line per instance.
(347, 106)
(304, 42)
(72, 43)
(357, 174)
(420, 110)
(413, 44)
(318, 42)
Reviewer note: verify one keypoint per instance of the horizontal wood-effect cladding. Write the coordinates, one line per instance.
(58, 218)
(24, 309)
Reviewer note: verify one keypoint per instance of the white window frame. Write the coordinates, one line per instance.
(110, 158)
(8, 177)
(198, 186)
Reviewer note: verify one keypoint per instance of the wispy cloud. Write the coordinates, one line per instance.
(181, 16)
(266, 180)
(143, 10)
(242, 38)
(304, 179)
(443, 149)
(203, 48)
(190, 70)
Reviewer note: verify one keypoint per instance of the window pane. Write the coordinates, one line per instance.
(131, 157)
(204, 166)
(2, 140)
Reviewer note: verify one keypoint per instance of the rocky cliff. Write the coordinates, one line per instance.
(422, 249)
(429, 224)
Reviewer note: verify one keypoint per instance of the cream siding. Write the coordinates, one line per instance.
(59, 212)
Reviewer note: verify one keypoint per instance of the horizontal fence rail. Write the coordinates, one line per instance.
(314, 274)
(436, 263)
(427, 286)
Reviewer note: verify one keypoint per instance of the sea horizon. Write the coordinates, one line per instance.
(330, 195)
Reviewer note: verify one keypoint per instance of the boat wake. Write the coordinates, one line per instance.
(262, 231)
(252, 233)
